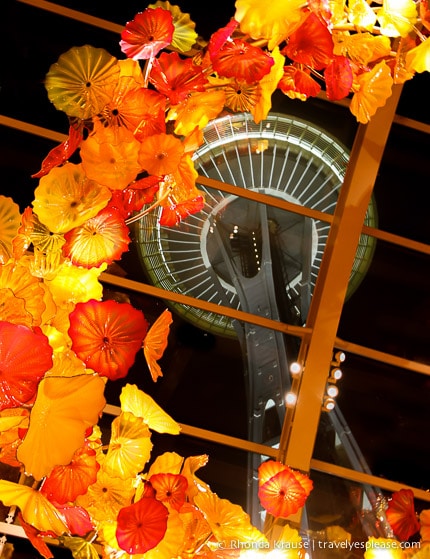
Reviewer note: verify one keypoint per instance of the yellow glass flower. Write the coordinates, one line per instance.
(361, 14)
(67, 364)
(290, 542)
(24, 286)
(374, 88)
(35, 507)
(274, 25)
(12, 309)
(397, 17)
(166, 463)
(80, 547)
(383, 548)
(241, 97)
(64, 409)
(138, 403)
(99, 241)
(82, 81)
(267, 86)
(184, 35)
(10, 219)
(129, 447)
(227, 520)
(418, 58)
(106, 496)
(73, 284)
(66, 198)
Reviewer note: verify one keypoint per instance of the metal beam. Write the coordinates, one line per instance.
(316, 351)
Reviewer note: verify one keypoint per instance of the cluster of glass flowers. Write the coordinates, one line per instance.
(134, 125)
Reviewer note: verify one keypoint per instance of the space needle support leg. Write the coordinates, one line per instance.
(315, 354)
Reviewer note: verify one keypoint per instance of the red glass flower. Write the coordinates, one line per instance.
(172, 214)
(25, 356)
(242, 61)
(401, 514)
(107, 335)
(297, 83)
(338, 78)
(310, 44)
(141, 526)
(148, 33)
(282, 491)
(61, 153)
(65, 483)
(175, 77)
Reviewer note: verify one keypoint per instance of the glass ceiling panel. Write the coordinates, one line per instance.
(393, 302)
(386, 410)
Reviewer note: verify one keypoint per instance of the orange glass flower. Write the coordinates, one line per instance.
(227, 520)
(160, 154)
(25, 356)
(101, 239)
(178, 194)
(109, 157)
(175, 77)
(170, 489)
(155, 343)
(64, 409)
(35, 538)
(106, 335)
(372, 91)
(401, 514)
(65, 483)
(143, 111)
(141, 526)
(82, 81)
(148, 33)
(9, 222)
(197, 110)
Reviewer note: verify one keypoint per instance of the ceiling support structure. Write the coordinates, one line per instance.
(316, 350)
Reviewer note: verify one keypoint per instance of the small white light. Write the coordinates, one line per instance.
(332, 391)
(336, 374)
(290, 399)
(295, 368)
(339, 356)
(329, 404)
